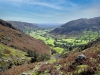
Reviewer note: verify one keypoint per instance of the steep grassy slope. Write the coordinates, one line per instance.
(7, 52)
(68, 65)
(18, 40)
(10, 57)
(17, 48)
(18, 69)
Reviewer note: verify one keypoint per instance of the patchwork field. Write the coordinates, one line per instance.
(60, 43)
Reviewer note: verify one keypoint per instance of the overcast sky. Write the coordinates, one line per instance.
(48, 11)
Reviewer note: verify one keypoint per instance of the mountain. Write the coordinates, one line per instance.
(23, 26)
(76, 27)
(16, 39)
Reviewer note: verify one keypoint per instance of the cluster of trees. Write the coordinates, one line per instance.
(37, 57)
(66, 45)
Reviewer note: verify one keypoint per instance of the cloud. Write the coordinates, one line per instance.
(58, 4)
(54, 4)
(34, 2)
(50, 10)
(47, 5)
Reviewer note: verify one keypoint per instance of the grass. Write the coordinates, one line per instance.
(14, 56)
(69, 40)
(39, 34)
(36, 73)
(89, 34)
(65, 63)
(82, 66)
(50, 41)
(79, 42)
(58, 49)
(52, 60)
(6, 52)
(73, 41)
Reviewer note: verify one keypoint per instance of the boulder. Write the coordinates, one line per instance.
(80, 57)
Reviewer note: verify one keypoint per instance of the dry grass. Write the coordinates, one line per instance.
(18, 69)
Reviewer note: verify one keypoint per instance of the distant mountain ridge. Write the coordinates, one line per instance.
(23, 26)
(49, 25)
(6, 24)
(77, 26)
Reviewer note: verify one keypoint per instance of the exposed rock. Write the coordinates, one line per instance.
(25, 74)
(80, 57)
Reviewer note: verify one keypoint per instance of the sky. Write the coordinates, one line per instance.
(48, 11)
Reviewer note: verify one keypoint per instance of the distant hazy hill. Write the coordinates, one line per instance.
(23, 26)
(77, 26)
(14, 38)
(49, 25)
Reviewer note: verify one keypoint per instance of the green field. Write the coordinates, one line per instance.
(59, 43)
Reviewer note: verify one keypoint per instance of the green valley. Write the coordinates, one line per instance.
(38, 51)
(62, 43)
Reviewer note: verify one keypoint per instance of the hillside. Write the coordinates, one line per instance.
(16, 39)
(21, 41)
(70, 65)
(23, 26)
(76, 27)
